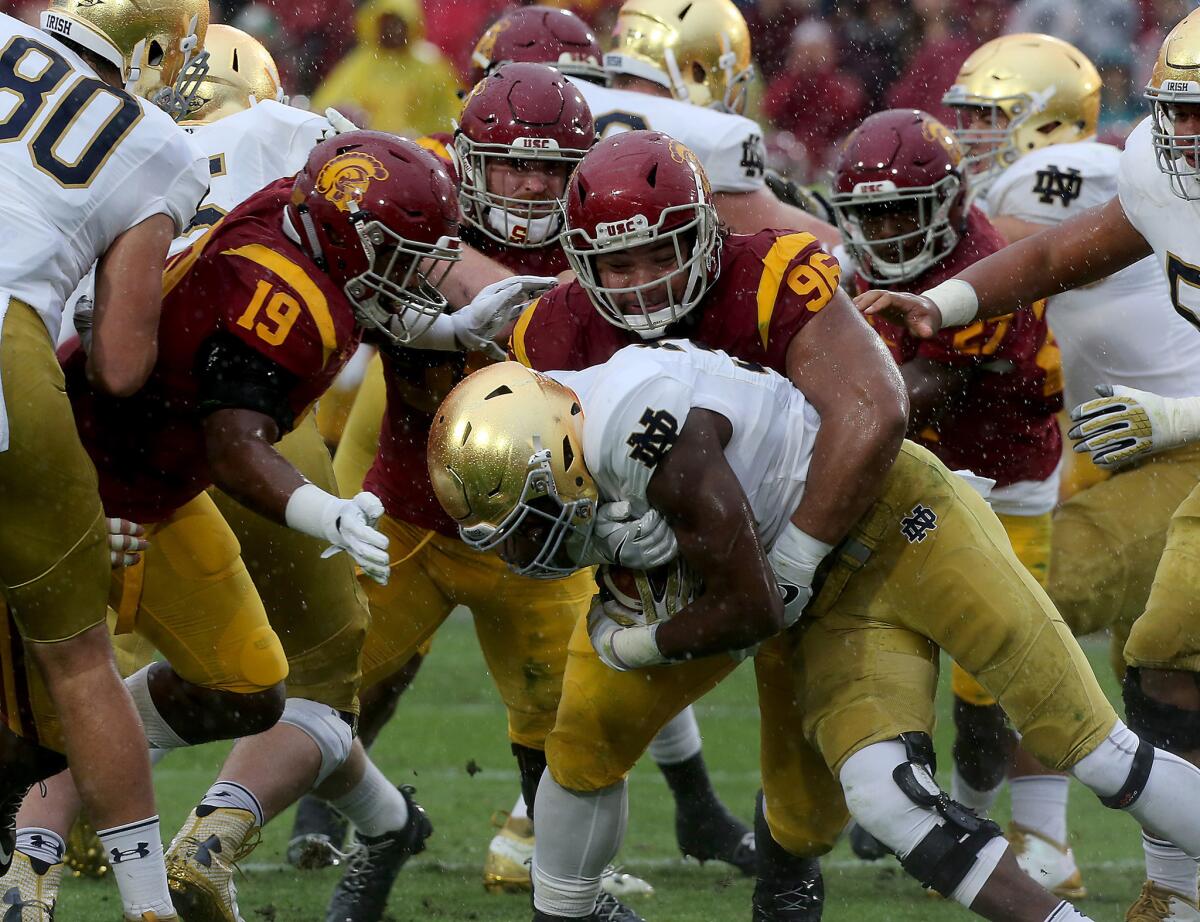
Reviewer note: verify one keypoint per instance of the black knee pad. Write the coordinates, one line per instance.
(982, 744)
(531, 762)
(1164, 725)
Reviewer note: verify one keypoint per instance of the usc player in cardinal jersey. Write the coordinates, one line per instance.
(651, 260)
(983, 397)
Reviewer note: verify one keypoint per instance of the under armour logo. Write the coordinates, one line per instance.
(754, 160)
(206, 849)
(649, 446)
(918, 523)
(116, 855)
(39, 841)
(1053, 183)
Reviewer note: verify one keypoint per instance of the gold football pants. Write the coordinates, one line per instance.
(360, 437)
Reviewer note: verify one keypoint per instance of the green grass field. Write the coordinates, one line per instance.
(449, 741)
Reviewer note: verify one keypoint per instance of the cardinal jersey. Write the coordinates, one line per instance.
(729, 146)
(637, 403)
(65, 189)
(248, 321)
(1003, 427)
(771, 284)
(1123, 329)
(247, 151)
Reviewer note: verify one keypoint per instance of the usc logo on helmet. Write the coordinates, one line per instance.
(346, 178)
(938, 133)
(681, 153)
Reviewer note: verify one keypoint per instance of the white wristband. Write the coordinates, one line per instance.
(307, 511)
(956, 300)
(439, 336)
(636, 647)
(796, 555)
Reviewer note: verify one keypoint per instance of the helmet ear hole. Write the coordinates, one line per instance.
(155, 54)
(568, 454)
(699, 74)
(652, 176)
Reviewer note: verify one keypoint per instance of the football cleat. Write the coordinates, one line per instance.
(616, 882)
(710, 834)
(29, 890)
(1155, 904)
(866, 846)
(362, 893)
(8, 826)
(85, 855)
(318, 836)
(202, 860)
(152, 917)
(799, 899)
(1050, 864)
(610, 909)
(506, 867)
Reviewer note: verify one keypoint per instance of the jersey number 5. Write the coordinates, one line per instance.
(31, 71)
(280, 311)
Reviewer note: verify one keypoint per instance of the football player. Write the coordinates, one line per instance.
(1154, 211)
(74, 86)
(683, 70)
(1027, 107)
(983, 398)
(651, 260)
(723, 450)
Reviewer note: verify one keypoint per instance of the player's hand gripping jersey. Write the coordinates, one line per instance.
(248, 321)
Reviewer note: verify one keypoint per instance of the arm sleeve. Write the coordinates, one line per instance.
(232, 376)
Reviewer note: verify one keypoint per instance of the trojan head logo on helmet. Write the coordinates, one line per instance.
(641, 196)
(1019, 93)
(506, 461)
(1175, 81)
(697, 49)
(241, 72)
(523, 128)
(156, 45)
(539, 35)
(380, 216)
(899, 195)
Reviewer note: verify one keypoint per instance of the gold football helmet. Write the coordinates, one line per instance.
(506, 460)
(1038, 91)
(157, 45)
(240, 72)
(697, 49)
(1176, 79)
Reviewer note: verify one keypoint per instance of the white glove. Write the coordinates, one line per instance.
(338, 124)
(794, 560)
(85, 320)
(126, 541)
(622, 648)
(495, 307)
(1124, 424)
(639, 543)
(348, 524)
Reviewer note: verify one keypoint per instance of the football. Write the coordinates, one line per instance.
(647, 596)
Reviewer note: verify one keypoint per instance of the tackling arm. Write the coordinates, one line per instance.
(750, 212)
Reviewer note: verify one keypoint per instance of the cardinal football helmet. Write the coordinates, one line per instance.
(901, 158)
(240, 72)
(506, 461)
(157, 45)
(637, 189)
(1176, 79)
(697, 49)
(1037, 90)
(540, 35)
(380, 215)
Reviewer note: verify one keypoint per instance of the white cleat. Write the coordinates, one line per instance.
(1155, 904)
(509, 856)
(616, 882)
(1050, 864)
(29, 890)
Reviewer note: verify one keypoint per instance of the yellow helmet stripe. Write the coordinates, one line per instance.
(775, 263)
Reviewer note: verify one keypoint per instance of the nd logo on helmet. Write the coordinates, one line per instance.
(347, 178)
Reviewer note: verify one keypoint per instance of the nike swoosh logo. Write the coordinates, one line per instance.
(789, 592)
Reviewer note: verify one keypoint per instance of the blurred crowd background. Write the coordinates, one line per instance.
(397, 65)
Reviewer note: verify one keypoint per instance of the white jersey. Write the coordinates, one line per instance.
(1122, 329)
(92, 162)
(247, 151)
(636, 403)
(730, 146)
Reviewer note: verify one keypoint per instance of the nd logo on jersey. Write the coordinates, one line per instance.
(347, 177)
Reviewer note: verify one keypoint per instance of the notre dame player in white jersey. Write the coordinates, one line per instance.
(1156, 211)
(66, 201)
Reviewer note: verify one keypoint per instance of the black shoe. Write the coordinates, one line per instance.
(610, 909)
(865, 845)
(801, 899)
(712, 833)
(318, 835)
(362, 893)
(8, 826)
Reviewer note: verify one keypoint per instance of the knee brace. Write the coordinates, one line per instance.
(1163, 725)
(891, 792)
(531, 762)
(329, 729)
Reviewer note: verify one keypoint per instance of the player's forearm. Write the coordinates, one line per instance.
(729, 616)
(244, 464)
(470, 275)
(750, 212)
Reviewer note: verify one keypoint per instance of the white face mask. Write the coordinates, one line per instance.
(518, 229)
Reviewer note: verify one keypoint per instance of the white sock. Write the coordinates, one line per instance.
(1039, 804)
(135, 854)
(520, 810)
(971, 798)
(158, 732)
(1166, 865)
(43, 844)
(229, 795)
(373, 805)
(678, 741)
(1065, 912)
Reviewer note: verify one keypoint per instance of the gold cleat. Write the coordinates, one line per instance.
(202, 860)
(152, 917)
(85, 855)
(1156, 904)
(1050, 864)
(506, 867)
(29, 890)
